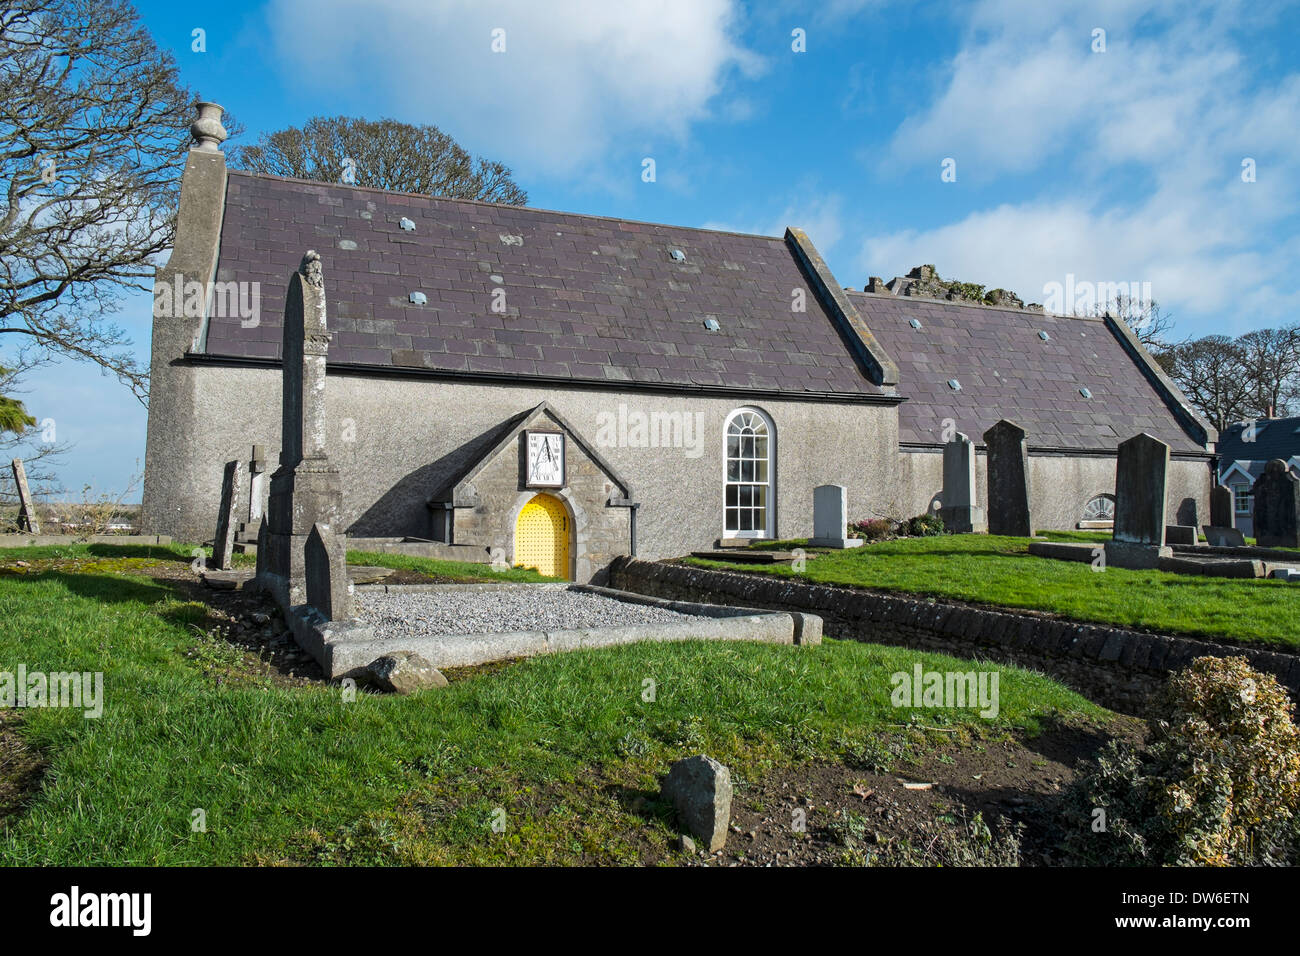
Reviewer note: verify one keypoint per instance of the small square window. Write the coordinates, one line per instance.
(1243, 498)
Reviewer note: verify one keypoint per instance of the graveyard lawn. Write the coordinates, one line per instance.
(999, 572)
(206, 754)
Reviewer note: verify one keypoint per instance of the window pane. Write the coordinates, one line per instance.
(733, 469)
(760, 496)
(746, 471)
(731, 496)
(733, 519)
(760, 470)
(733, 446)
(760, 447)
(746, 520)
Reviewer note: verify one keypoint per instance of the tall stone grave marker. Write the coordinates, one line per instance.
(1008, 480)
(1141, 480)
(1223, 513)
(27, 520)
(959, 512)
(256, 484)
(1277, 507)
(306, 489)
(830, 518)
(223, 543)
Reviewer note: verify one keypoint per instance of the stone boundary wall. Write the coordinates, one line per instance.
(1117, 668)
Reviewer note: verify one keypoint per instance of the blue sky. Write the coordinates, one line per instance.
(1114, 165)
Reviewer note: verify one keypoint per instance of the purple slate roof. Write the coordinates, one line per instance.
(587, 298)
(1007, 371)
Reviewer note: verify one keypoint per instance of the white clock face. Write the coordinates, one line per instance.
(546, 459)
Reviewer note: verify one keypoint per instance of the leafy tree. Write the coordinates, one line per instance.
(91, 141)
(383, 154)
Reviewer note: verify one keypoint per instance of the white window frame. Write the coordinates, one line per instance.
(1240, 492)
(769, 528)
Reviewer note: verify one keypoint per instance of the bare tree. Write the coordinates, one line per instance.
(383, 154)
(1148, 321)
(92, 123)
(1212, 373)
(1272, 361)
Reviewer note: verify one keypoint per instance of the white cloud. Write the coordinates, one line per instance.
(821, 216)
(1131, 157)
(575, 77)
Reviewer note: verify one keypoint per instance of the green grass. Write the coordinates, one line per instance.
(999, 571)
(562, 744)
(446, 570)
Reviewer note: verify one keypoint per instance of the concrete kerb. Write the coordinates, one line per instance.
(344, 649)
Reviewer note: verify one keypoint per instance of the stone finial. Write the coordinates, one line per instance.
(206, 130)
(311, 269)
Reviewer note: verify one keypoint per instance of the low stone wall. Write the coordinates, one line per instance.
(1117, 668)
(44, 540)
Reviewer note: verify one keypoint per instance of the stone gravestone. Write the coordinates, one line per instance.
(326, 571)
(256, 484)
(1223, 511)
(1141, 479)
(1224, 537)
(830, 518)
(700, 791)
(1277, 507)
(959, 513)
(1008, 480)
(27, 520)
(1181, 534)
(306, 489)
(223, 543)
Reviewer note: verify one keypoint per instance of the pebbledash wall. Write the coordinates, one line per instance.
(398, 440)
(1060, 484)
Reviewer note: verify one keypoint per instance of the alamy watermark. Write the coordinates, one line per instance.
(191, 299)
(1075, 297)
(77, 690)
(637, 429)
(946, 689)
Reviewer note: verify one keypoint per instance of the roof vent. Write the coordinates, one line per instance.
(418, 298)
(914, 323)
(1044, 336)
(677, 255)
(406, 224)
(711, 324)
(1085, 393)
(954, 385)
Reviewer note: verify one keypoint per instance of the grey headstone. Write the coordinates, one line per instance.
(1141, 479)
(959, 513)
(1223, 510)
(1277, 507)
(830, 518)
(1180, 534)
(223, 542)
(327, 575)
(1008, 480)
(404, 672)
(27, 520)
(1224, 537)
(700, 790)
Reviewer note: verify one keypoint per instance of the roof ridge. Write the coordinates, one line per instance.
(500, 205)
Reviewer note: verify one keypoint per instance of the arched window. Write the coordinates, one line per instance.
(1100, 508)
(749, 474)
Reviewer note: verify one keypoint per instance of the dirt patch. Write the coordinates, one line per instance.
(21, 767)
(828, 814)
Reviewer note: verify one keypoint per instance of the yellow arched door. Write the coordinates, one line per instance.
(542, 536)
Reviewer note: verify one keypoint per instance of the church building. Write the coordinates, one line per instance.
(542, 388)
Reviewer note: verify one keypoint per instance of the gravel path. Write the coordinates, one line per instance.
(502, 610)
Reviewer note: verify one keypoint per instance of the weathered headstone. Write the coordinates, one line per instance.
(27, 520)
(700, 791)
(306, 489)
(1141, 479)
(1277, 507)
(959, 512)
(830, 518)
(1008, 480)
(1223, 511)
(223, 543)
(1180, 534)
(326, 571)
(256, 484)
(1224, 537)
